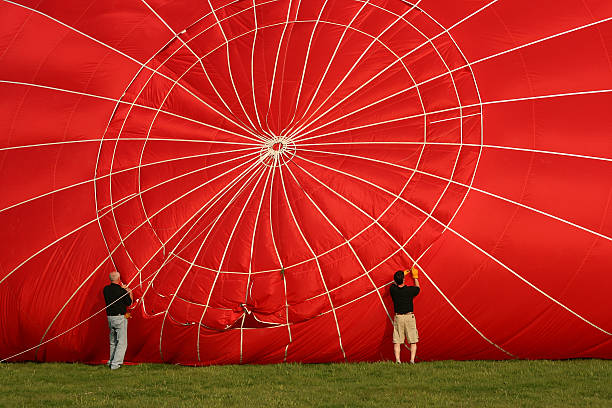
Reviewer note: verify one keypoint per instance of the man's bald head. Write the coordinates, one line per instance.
(114, 276)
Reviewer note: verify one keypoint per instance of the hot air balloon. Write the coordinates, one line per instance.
(257, 170)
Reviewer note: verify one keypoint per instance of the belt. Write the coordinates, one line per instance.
(404, 314)
(120, 314)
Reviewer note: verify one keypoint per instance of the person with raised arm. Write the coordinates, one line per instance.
(404, 323)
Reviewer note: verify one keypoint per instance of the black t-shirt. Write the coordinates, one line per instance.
(402, 298)
(116, 307)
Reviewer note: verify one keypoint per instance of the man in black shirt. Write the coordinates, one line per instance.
(404, 324)
(117, 297)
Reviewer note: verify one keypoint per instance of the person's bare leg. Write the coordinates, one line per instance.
(396, 350)
(412, 352)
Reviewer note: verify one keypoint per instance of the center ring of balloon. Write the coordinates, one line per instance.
(277, 151)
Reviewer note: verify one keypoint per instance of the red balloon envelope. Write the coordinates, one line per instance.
(258, 170)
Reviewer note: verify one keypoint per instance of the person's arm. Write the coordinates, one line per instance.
(129, 291)
(415, 277)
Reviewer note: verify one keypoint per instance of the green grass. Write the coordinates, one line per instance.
(584, 383)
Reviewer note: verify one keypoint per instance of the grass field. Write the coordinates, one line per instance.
(584, 383)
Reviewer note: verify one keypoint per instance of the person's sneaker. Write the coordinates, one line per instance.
(115, 367)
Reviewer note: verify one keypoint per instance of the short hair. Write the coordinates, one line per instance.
(114, 276)
(398, 277)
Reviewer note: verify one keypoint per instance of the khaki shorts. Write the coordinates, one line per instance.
(404, 326)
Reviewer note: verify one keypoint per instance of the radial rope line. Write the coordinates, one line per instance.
(306, 124)
(527, 98)
(208, 205)
(135, 195)
(469, 64)
(428, 40)
(402, 248)
(119, 101)
(487, 146)
(299, 127)
(161, 332)
(314, 28)
(331, 303)
(90, 222)
(282, 77)
(109, 257)
(104, 261)
(423, 107)
(255, 164)
(229, 65)
(469, 187)
(110, 254)
(454, 108)
(461, 129)
(253, 73)
(177, 35)
(469, 242)
(192, 264)
(398, 59)
(132, 59)
(374, 40)
(112, 139)
(110, 119)
(366, 272)
(233, 15)
(280, 261)
(229, 240)
(116, 172)
(246, 292)
(280, 43)
(148, 133)
(331, 60)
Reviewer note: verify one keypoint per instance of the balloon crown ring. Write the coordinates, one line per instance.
(277, 151)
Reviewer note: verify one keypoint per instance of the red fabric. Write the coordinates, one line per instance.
(258, 170)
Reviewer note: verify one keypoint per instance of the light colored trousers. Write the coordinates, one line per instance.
(118, 340)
